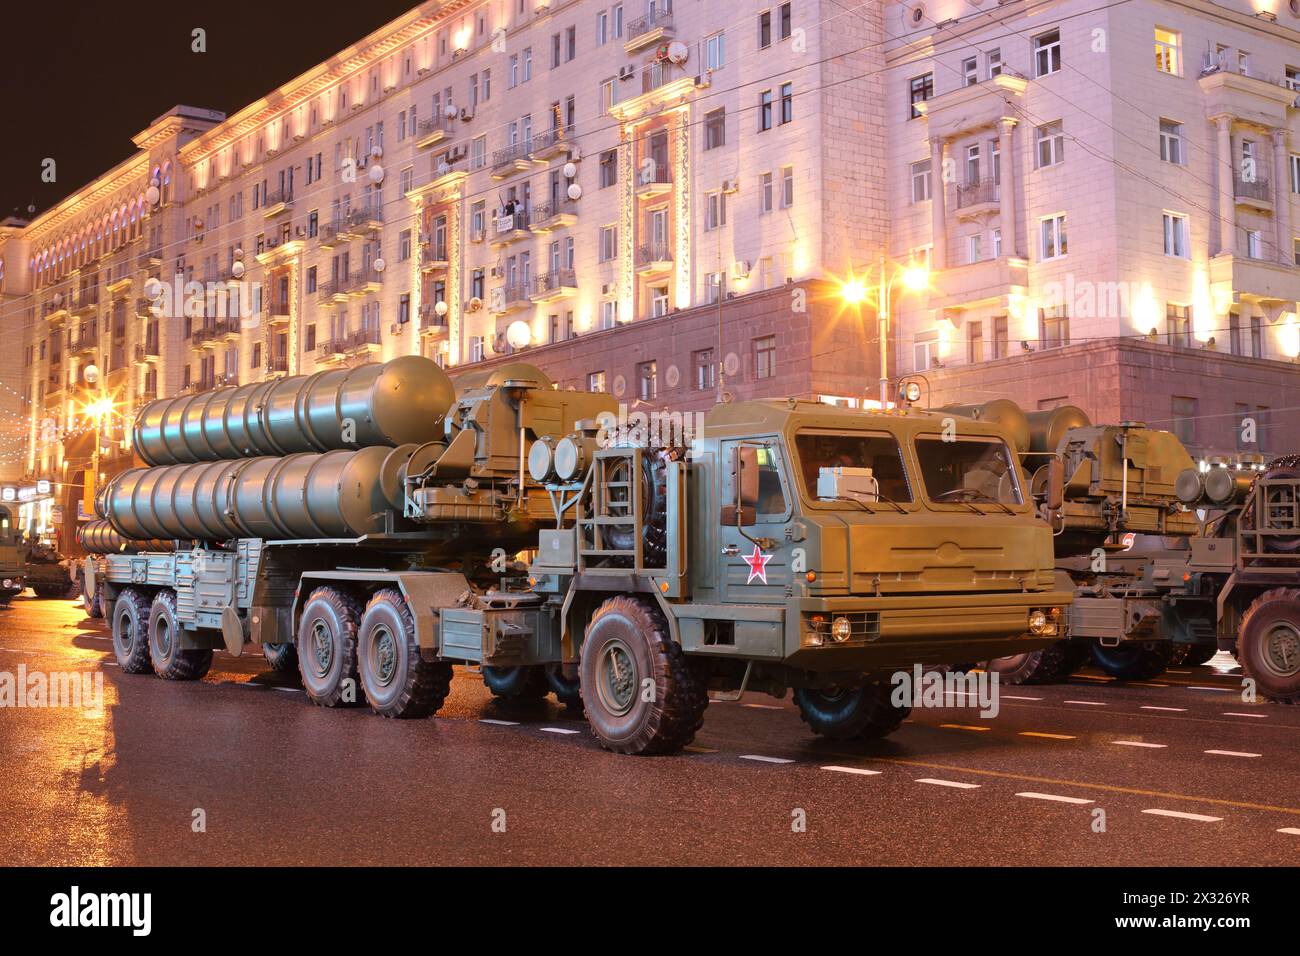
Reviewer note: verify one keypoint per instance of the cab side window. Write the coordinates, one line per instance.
(771, 493)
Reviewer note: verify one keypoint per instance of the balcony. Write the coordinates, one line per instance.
(363, 220)
(511, 160)
(204, 383)
(213, 333)
(334, 350)
(975, 107)
(1256, 193)
(509, 228)
(331, 233)
(147, 395)
(277, 313)
(1273, 285)
(145, 306)
(552, 143)
(277, 203)
(432, 324)
(431, 132)
(87, 299)
(55, 313)
(84, 342)
(987, 282)
(654, 181)
(654, 259)
(433, 257)
(559, 284)
(647, 31)
(332, 290)
(362, 341)
(364, 281)
(510, 297)
(119, 282)
(149, 258)
(553, 214)
(148, 352)
(975, 200)
(278, 366)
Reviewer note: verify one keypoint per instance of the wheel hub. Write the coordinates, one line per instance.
(164, 639)
(383, 653)
(1282, 649)
(322, 647)
(617, 681)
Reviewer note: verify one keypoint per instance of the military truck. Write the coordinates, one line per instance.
(388, 525)
(47, 571)
(13, 558)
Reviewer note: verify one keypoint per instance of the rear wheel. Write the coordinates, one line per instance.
(131, 631)
(1268, 644)
(1046, 665)
(566, 691)
(327, 647)
(641, 693)
(516, 683)
(170, 660)
(282, 657)
(853, 713)
(397, 681)
(1133, 661)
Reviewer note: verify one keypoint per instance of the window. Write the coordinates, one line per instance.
(1054, 327)
(1171, 142)
(476, 348)
(404, 245)
(973, 247)
(1047, 53)
(999, 336)
(1049, 144)
(765, 29)
(765, 110)
(1256, 337)
(925, 351)
(1295, 173)
(1234, 333)
(658, 302)
(602, 28)
(608, 243)
(1178, 325)
(1175, 235)
(715, 210)
(702, 363)
(787, 187)
(1167, 53)
(608, 94)
(993, 61)
(765, 197)
(715, 128)
(311, 279)
(921, 181)
(715, 51)
(967, 469)
(1184, 418)
(404, 308)
(997, 243)
(765, 356)
(528, 63)
(609, 313)
(880, 453)
(1254, 244)
(970, 71)
(785, 14)
(973, 165)
(570, 43)
(647, 379)
(1052, 237)
(512, 79)
(1292, 79)
(975, 341)
(787, 103)
(478, 152)
(919, 89)
(608, 168)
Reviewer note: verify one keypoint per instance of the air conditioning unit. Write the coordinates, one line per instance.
(607, 289)
(626, 72)
(740, 269)
(704, 80)
(394, 328)
(466, 114)
(456, 153)
(730, 186)
(421, 71)
(495, 272)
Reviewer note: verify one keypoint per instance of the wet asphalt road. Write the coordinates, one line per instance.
(1185, 772)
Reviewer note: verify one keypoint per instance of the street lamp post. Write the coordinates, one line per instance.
(915, 278)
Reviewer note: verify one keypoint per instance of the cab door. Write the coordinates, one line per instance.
(755, 496)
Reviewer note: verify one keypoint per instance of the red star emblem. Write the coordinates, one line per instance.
(757, 565)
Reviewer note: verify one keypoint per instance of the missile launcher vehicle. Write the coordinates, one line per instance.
(381, 524)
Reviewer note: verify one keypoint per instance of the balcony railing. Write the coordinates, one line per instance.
(363, 217)
(506, 224)
(362, 278)
(655, 174)
(544, 211)
(361, 339)
(555, 281)
(149, 257)
(433, 255)
(653, 253)
(648, 23)
(329, 288)
(513, 292)
(430, 320)
(552, 138)
(277, 198)
(85, 342)
(975, 194)
(1258, 189)
(515, 151)
(660, 73)
(280, 364)
(147, 351)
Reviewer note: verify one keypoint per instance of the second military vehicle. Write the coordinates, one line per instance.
(13, 558)
(371, 518)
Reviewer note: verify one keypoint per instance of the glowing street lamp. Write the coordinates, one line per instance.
(915, 278)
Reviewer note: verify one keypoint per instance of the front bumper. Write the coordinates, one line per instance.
(929, 629)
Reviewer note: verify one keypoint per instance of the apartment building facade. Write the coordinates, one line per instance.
(1108, 194)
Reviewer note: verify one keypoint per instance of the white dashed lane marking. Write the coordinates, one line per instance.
(1221, 690)
(1086, 703)
(1294, 831)
(499, 723)
(1138, 743)
(1178, 814)
(949, 783)
(558, 730)
(1232, 753)
(1052, 796)
(762, 706)
(1009, 697)
(1231, 713)
(1180, 710)
(861, 771)
(761, 759)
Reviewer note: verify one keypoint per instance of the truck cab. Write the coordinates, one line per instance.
(13, 557)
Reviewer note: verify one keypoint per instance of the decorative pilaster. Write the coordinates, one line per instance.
(1007, 187)
(1227, 201)
(1282, 198)
(938, 207)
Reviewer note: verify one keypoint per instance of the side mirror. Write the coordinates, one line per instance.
(1055, 484)
(743, 510)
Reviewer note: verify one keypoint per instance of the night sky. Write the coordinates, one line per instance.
(80, 79)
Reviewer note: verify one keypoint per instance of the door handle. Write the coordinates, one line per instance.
(731, 550)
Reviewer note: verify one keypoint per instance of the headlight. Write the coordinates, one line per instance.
(8, 583)
(1043, 623)
(841, 629)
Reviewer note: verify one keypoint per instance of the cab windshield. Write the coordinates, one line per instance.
(819, 453)
(969, 469)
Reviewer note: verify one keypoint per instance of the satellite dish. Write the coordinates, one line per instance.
(570, 170)
(678, 51)
(237, 269)
(519, 334)
(91, 374)
(152, 195)
(376, 173)
(575, 191)
(380, 264)
(440, 307)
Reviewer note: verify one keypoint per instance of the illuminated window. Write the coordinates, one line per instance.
(1168, 59)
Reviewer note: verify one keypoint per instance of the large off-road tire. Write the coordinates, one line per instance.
(1047, 665)
(282, 657)
(94, 603)
(1133, 661)
(170, 660)
(398, 682)
(566, 691)
(654, 508)
(1268, 644)
(130, 629)
(853, 713)
(516, 683)
(327, 648)
(641, 693)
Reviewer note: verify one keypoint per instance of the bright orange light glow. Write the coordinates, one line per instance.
(100, 408)
(916, 278)
(854, 291)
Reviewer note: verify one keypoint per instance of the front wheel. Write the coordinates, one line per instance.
(641, 693)
(131, 631)
(283, 657)
(170, 660)
(850, 713)
(398, 682)
(1047, 665)
(1131, 661)
(1268, 644)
